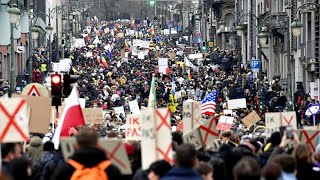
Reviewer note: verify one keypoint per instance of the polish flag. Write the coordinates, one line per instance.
(225, 123)
(71, 117)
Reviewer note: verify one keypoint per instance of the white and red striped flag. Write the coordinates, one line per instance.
(71, 117)
(208, 104)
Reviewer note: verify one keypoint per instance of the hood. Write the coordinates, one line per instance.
(89, 156)
(35, 141)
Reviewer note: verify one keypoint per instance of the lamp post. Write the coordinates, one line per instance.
(14, 15)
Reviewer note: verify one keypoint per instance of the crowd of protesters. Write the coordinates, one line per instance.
(238, 154)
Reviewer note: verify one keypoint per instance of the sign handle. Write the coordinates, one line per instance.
(0, 160)
(314, 119)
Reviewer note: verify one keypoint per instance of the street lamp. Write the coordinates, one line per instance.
(49, 29)
(263, 38)
(14, 13)
(239, 30)
(296, 28)
(34, 32)
(222, 26)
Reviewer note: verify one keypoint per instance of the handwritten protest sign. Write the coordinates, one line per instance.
(209, 131)
(156, 136)
(251, 119)
(119, 110)
(309, 137)
(191, 116)
(14, 120)
(134, 107)
(114, 149)
(194, 137)
(273, 122)
(133, 131)
(237, 103)
(92, 115)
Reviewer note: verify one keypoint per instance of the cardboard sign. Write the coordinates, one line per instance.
(191, 116)
(92, 115)
(133, 131)
(237, 103)
(134, 107)
(225, 123)
(40, 113)
(194, 137)
(114, 148)
(35, 89)
(310, 137)
(273, 122)
(14, 120)
(289, 119)
(209, 131)
(251, 119)
(156, 137)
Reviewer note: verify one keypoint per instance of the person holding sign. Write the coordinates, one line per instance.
(87, 155)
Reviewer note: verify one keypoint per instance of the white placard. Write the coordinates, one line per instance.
(134, 107)
(119, 110)
(133, 128)
(237, 103)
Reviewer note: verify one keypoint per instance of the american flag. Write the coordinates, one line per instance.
(208, 104)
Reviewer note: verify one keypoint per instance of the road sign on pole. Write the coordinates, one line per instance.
(255, 64)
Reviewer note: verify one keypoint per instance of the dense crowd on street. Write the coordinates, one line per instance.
(108, 80)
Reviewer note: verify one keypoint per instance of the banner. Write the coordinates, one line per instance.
(237, 103)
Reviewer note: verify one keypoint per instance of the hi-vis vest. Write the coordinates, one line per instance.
(43, 67)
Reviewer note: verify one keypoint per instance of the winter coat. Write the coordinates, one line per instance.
(179, 173)
(89, 157)
(34, 149)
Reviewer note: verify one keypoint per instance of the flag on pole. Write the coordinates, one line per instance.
(152, 103)
(208, 104)
(71, 117)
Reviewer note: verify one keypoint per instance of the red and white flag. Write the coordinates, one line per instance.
(71, 117)
(225, 123)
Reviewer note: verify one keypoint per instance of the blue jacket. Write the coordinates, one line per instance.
(179, 173)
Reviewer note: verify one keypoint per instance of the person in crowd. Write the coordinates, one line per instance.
(247, 168)
(185, 162)
(271, 171)
(158, 169)
(46, 156)
(87, 154)
(34, 149)
(206, 171)
(303, 155)
(9, 152)
(288, 165)
(20, 168)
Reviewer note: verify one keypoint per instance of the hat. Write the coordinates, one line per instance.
(160, 168)
(129, 149)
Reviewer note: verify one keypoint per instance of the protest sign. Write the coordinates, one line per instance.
(194, 137)
(92, 115)
(309, 137)
(251, 119)
(237, 103)
(134, 107)
(273, 122)
(119, 110)
(40, 113)
(156, 136)
(114, 149)
(133, 131)
(225, 123)
(172, 55)
(209, 131)
(191, 116)
(227, 112)
(195, 56)
(14, 120)
(163, 65)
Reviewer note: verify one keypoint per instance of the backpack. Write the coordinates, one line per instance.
(84, 173)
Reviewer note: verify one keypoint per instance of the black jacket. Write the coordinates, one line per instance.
(88, 157)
